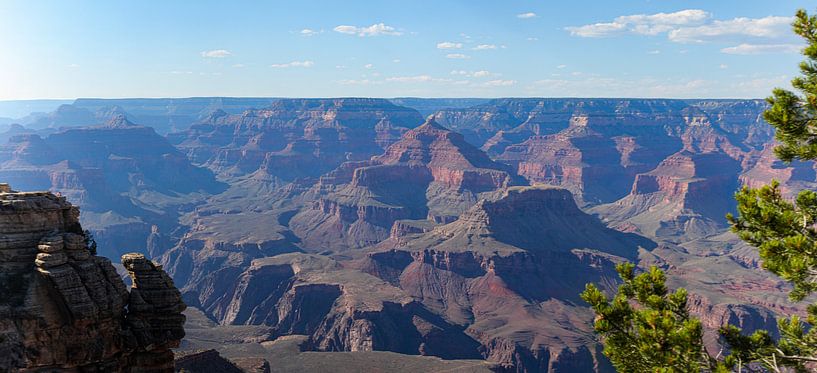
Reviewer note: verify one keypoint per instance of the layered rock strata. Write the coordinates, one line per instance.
(65, 309)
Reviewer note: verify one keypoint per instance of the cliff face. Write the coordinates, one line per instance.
(597, 147)
(295, 137)
(675, 201)
(64, 308)
(511, 269)
(500, 283)
(430, 174)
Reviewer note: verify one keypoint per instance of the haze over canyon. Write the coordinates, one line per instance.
(363, 233)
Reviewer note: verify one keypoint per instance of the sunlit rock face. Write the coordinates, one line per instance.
(64, 308)
(430, 174)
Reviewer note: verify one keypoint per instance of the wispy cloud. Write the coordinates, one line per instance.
(499, 83)
(368, 66)
(216, 53)
(771, 27)
(305, 63)
(762, 48)
(310, 32)
(643, 24)
(416, 79)
(459, 56)
(449, 45)
(697, 26)
(483, 47)
(373, 30)
(357, 82)
(238, 65)
(527, 15)
(473, 74)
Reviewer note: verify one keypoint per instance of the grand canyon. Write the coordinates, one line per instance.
(408, 186)
(371, 234)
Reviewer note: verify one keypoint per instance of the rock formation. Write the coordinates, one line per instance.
(124, 176)
(65, 309)
(430, 174)
(295, 137)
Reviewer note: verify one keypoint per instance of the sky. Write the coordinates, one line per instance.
(442, 48)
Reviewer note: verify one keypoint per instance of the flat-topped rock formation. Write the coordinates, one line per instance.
(63, 308)
(295, 137)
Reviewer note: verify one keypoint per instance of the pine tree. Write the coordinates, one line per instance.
(782, 230)
(646, 328)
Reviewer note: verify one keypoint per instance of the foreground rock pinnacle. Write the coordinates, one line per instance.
(62, 308)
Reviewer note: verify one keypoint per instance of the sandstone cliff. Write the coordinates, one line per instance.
(65, 309)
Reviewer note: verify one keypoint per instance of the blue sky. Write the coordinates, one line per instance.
(443, 48)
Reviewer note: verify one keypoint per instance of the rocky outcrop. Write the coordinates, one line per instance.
(208, 361)
(339, 309)
(64, 308)
(674, 201)
(430, 174)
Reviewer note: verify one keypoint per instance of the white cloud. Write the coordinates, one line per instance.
(396, 60)
(723, 66)
(310, 32)
(368, 66)
(238, 65)
(767, 28)
(178, 72)
(500, 83)
(449, 45)
(473, 74)
(357, 82)
(644, 24)
(457, 56)
(483, 47)
(532, 39)
(526, 15)
(373, 30)
(654, 52)
(694, 26)
(762, 48)
(340, 67)
(216, 53)
(562, 66)
(73, 66)
(305, 63)
(416, 79)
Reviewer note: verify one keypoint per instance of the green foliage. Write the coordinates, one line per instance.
(646, 328)
(783, 232)
(793, 115)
